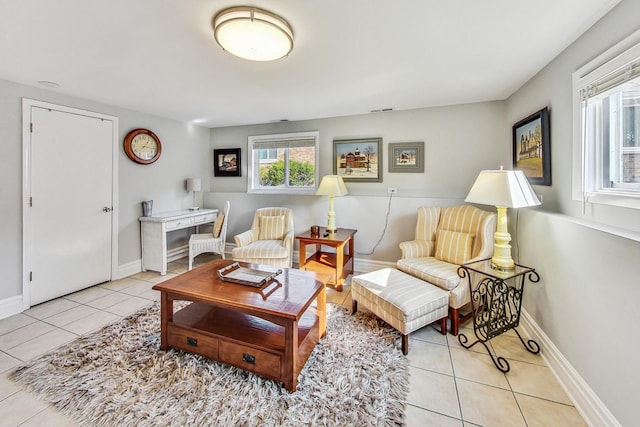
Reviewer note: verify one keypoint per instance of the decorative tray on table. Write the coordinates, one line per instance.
(246, 276)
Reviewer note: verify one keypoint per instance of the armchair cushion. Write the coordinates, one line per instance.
(266, 249)
(432, 270)
(271, 227)
(453, 246)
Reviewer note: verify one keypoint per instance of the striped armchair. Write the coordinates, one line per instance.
(270, 240)
(444, 239)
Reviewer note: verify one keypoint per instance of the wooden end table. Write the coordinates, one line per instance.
(270, 331)
(339, 263)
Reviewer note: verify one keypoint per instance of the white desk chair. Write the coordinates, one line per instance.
(208, 242)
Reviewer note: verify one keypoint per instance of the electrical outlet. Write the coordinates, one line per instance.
(392, 190)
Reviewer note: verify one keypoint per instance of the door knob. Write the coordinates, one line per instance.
(107, 209)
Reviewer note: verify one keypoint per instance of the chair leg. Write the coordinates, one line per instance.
(405, 344)
(443, 326)
(454, 316)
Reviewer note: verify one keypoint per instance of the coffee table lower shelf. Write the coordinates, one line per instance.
(275, 348)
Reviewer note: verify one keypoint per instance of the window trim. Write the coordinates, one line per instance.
(253, 160)
(586, 158)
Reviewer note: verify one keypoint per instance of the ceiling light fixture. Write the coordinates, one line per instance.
(252, 33)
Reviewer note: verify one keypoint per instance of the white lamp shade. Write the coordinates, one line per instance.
(507, 188)
(194, 184)
(252, 33)
(332, 185)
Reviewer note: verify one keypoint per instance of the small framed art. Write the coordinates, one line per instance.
(358, 159)
(226, 162)
(532, 147)
(406, 157)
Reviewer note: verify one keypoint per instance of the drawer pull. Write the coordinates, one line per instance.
(192, 341)
(249, 358)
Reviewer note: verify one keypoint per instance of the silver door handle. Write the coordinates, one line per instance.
(107, 209)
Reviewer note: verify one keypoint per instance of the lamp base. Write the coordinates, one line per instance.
(501, 259)
(503, 268)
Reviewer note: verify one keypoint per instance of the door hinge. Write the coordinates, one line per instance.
(31, 127)
(30, 202)
(31, 276)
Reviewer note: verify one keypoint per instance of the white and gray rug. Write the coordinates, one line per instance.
(119, 376)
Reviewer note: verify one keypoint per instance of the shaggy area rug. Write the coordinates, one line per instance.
(119, 376)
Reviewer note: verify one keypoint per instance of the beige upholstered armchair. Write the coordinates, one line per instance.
(446, 237)
(270, 240)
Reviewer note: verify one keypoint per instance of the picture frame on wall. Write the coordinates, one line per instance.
(358, 160)
(226, 162)
(532, 147)
(406, 157)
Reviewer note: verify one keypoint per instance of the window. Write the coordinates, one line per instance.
(607, 143)
(284, 163)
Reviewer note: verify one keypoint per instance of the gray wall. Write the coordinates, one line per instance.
(459, 142)
(585, 301)
(182, 156)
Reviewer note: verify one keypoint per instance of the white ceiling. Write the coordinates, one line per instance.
(349, 56)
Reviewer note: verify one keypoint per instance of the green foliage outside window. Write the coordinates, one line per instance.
(301, 174)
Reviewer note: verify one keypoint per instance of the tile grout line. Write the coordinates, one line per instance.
(455, 382)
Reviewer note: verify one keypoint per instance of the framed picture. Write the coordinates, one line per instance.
(406, 157)
(358, 159)
(226, 162)
(532, 147)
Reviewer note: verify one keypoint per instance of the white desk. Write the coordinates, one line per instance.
(156, 227)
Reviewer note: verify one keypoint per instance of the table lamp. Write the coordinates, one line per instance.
(331, 185)
(193, 185)
(502, 189)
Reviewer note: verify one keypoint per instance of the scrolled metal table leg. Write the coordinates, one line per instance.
(531, 346)
(500, 362)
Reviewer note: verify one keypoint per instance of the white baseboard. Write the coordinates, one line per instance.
(135, 267)
(594, 412)
(10, 306)
(128, 269)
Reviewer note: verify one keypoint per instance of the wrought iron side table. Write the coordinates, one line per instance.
(496, 301)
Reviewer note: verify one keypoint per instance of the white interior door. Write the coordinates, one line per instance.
(69, 238)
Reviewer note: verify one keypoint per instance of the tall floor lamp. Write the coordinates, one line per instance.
(331, 185)
(502, 189)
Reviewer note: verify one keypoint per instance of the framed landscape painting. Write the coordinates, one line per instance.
(406, 157)
(226, 162)
(532, 147)
(358, 159)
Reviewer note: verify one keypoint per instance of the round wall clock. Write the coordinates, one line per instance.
(142, 146)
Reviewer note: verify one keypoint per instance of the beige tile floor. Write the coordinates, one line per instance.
(449, 385)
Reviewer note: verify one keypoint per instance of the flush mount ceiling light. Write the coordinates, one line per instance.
(252, 33)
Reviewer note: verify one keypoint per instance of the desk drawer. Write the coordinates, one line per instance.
(250, 359)
(210, 217)
(179, 223)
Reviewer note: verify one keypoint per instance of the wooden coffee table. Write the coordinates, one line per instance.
(270, 331)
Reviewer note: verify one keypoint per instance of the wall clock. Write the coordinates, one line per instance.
(142, 146)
